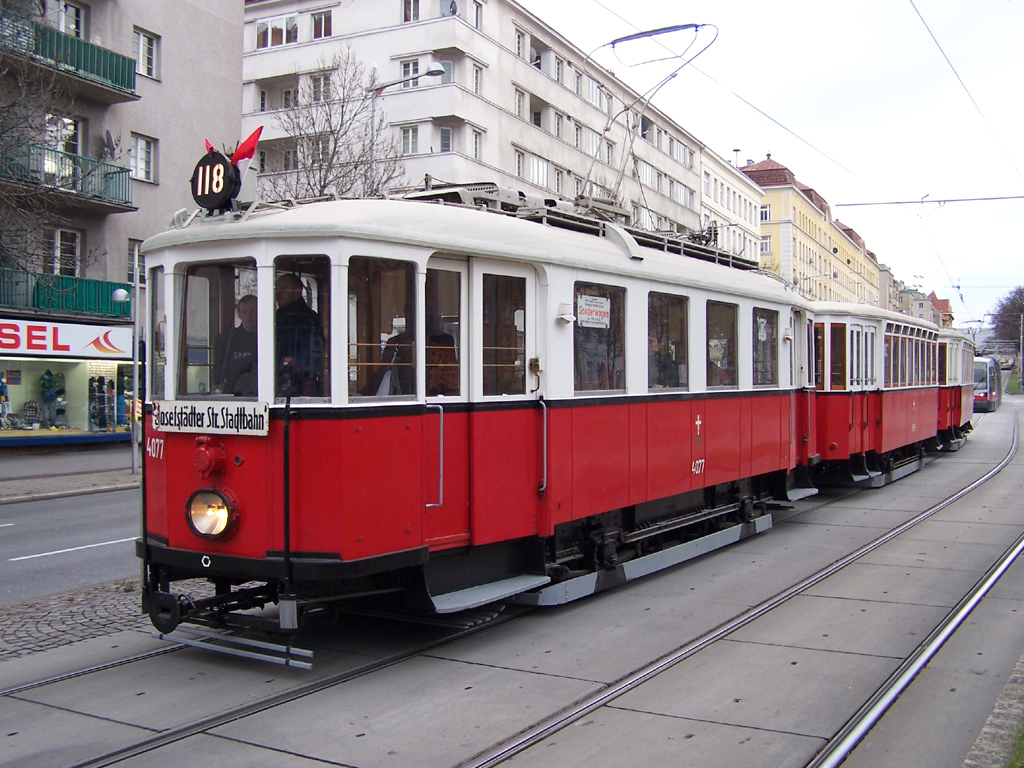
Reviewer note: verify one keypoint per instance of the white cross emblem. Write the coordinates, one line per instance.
(698, 423)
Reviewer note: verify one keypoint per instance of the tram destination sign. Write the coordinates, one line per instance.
(211, 418)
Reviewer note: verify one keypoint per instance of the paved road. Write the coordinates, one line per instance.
(61, 544)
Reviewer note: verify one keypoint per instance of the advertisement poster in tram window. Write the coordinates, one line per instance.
(594, 311)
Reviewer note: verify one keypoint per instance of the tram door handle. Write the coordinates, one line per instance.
(440, 457)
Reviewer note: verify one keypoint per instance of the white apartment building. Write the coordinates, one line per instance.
(518, 105)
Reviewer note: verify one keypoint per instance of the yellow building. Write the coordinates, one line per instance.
(823, 258)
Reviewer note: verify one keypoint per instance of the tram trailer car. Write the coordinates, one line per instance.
(493, 407)
(879, 400)
(956, 389)
(988, 384)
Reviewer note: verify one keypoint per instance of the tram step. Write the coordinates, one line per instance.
(276, 653)
(482, 594)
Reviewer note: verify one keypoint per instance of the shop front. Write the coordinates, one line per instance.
(64, 382)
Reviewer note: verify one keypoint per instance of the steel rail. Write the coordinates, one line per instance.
(581, 708)
(201, 725)
(839, 747)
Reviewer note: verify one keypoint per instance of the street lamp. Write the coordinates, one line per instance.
(435, 69)
(121, 295)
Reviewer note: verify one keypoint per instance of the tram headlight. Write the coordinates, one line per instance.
(211, 514)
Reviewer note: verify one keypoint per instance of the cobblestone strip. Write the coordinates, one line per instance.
(993, 745)
(39, 624)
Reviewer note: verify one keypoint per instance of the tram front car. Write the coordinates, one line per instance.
(238, 434)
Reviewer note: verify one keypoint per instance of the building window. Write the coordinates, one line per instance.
(766, 213)
(143, 156)
(520, 162)
(477, 138)
(411, 10)
(558, 182)
(520, 44)
(540, 171)
(321, 25)
(446, 139)
(410, 68)
(478, 77)
(132, 245)
(520, 103)
(558, 125)
(289, 160)
(579, 136)
(263, 100)
(608, 152)
(707, 183)
(279, 30)
(72, 19)
(411, 140)
(319, 88)
(449, 68)
(478, 15)
(766, 244)
(559, 68)
(145, 53)
(535, 117)
(263, 161)
(65, 253)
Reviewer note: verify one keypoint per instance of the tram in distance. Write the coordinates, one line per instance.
(488, 396)
(988, 384)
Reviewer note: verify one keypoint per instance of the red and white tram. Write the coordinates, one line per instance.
(488, 406)
(956, 389)
(880, 398)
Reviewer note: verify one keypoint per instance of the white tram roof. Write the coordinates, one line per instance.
(458, 230)
(847, 310)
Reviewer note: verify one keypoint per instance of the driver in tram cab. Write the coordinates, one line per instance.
(234, 353)
(300, 341)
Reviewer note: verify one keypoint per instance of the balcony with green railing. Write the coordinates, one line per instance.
(93, 180)
(61, 294)
(70, 55)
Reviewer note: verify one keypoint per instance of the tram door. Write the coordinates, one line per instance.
(507, 425)
(446, 428)
(858, 391)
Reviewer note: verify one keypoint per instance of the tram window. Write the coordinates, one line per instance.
(381, 327)
(837, 369)
(302, 326)
(599, 338)
(819, 356)
(443, 325)
(943, 364)
(666, 334)
(722, 322)
(887, 360)
(504, 343)
(766, 346)
(157, 334)
(212, 346)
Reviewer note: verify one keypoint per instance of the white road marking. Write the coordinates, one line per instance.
(72, 549)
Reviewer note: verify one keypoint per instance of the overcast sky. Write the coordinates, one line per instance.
(859, 102)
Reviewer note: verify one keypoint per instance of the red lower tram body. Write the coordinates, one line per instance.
(877, 436)
(458, 507)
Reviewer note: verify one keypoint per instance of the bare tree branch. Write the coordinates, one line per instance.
(333, 147)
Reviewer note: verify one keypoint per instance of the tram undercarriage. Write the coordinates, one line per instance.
(583, 557)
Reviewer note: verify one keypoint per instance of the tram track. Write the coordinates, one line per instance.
(839, 747)
(204, 724)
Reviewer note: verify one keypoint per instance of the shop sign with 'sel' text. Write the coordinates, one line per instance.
(31, 338)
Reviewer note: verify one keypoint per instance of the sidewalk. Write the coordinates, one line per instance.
(60, 473)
